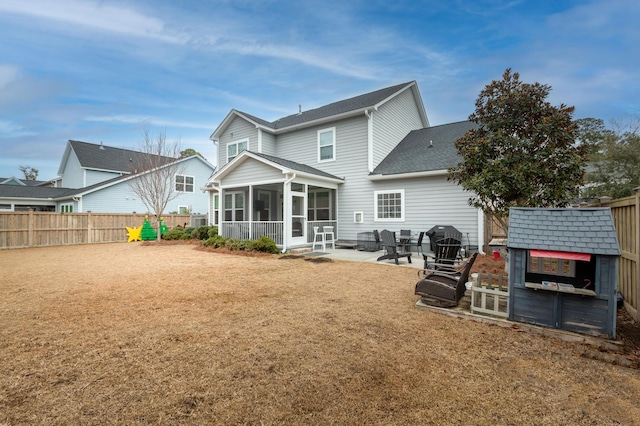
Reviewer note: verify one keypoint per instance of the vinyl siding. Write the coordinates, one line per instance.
(429, 201)
(251, 171)
(268, 143)
(119, 198)
(241, 130)
(96, 176)
(392, 122)
(72, 175)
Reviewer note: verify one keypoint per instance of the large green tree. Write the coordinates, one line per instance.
(614, 167)
(523, 152)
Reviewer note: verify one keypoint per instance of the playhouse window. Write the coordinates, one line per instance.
(551, 266)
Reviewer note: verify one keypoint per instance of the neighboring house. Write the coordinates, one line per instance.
(364, 163)
(95, 178)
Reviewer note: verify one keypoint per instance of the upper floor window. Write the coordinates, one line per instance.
(184, 183)
(389, 205)
(327, 144)
(235, 148)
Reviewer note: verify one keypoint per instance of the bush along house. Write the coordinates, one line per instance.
(563, 269)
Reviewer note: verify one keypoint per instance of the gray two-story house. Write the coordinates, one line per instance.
(364, 163)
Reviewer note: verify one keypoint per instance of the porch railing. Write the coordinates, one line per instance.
(252, 230)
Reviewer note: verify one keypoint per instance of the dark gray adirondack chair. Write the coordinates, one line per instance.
(444, 289)
(391, 247)
(446, 252)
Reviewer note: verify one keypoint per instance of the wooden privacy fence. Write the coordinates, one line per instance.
(627, 222)
(42, 229)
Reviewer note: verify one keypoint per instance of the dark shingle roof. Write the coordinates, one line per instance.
(580, 230)
(336, 108)
(18, 191)
(414, 154)
(294, 166)
(102, 157)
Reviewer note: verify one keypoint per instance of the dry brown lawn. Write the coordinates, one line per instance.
(166, 334)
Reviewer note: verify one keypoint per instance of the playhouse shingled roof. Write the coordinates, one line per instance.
(579, 230)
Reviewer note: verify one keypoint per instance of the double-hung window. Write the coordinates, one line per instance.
(235, 148)
(234, 207)
(327, 145)
(184, 183)
(389, 205)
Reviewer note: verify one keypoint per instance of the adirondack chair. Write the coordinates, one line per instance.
(446, 253)
(444, 289)
(391, 247)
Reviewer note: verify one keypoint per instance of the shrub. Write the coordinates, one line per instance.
(265, 244)
(213, 231)
(234, 244)
(201, 233)
(176, 233)
(214, 242)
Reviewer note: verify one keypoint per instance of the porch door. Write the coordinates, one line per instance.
(298, 218)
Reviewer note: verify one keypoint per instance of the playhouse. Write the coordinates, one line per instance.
(563, 269)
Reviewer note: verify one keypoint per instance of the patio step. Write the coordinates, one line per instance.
(301, 250)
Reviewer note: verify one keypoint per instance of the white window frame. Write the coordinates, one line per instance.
(186, 209)
(333, 144)
(234, 206)
(377, 218)
(66, 208)
(236, 144)
(184, 183)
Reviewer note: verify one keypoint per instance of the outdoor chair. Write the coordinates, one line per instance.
(444, 289)
(327, 231)
(447, 251)
(404, 240)
(391, 247)
(376, 236)
(318, 238)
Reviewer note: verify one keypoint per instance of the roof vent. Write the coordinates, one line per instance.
(101, 146)
(430, 144)
(299, 109)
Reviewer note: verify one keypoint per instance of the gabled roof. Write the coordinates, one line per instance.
(340, 109)
(24, 182)
(580, 230)
(102, 157)
(286, 166)
(425, 150)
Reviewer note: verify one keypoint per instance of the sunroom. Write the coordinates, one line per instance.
(258, 194)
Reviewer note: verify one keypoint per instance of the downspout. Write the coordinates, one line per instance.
(285, 209)
(369, 115)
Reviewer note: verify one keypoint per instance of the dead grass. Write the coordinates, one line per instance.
(138, 334)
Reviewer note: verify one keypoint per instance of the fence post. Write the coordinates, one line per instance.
(89, 227)
(31, 218)
(636, 219)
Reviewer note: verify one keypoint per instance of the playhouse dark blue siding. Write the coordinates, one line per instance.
(573, 230)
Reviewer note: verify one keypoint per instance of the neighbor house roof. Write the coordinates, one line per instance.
(425, 150)
(33, 192)
(102, 157)
(580, 230)
(343, 108)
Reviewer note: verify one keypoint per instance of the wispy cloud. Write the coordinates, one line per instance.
(97, 16)
(147, 120)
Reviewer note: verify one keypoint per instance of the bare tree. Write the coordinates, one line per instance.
(29, 172)
(154, 169)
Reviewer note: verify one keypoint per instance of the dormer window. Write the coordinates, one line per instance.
(327, 145)
(235, 148)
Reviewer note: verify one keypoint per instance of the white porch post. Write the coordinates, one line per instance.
(250, 207)
(220, 211)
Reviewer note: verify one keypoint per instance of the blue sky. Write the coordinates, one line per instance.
(106, 71)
